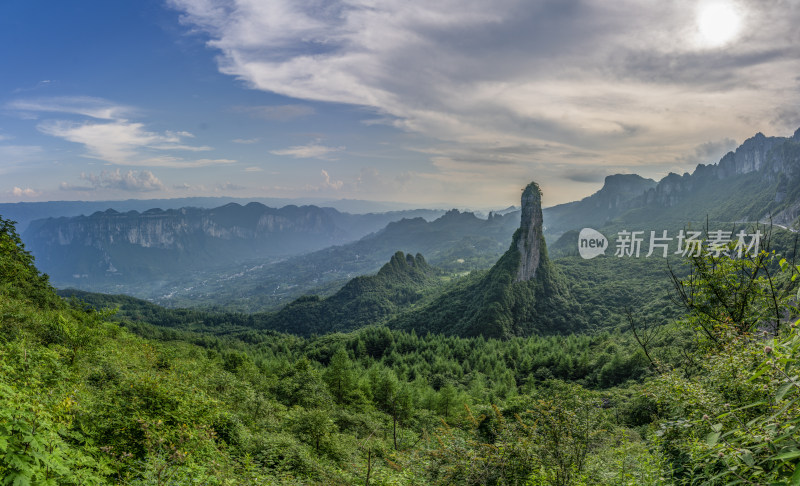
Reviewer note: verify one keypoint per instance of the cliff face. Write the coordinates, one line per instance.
(531, 240)
(155, 244)
(772, 158)
(749, 157)
(759, 181)
(174, 229)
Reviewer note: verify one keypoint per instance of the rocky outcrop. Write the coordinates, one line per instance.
(363, 301)
(770, 157)
(531, 239)
(669, 191)
(401, 265)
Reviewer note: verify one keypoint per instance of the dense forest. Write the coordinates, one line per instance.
(708, 397)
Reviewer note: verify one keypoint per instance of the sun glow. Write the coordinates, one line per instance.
(718, 22)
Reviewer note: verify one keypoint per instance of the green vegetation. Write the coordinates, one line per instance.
(492, 304)
(601, 292)
(401, 283)
(703, 392)
(734, 406)
(87, 402)
(618, 371)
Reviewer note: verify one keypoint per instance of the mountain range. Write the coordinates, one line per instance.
(25, 212)
(520, 295)
(759, 181)
(256, 258)
(109, 247)
(457, 242)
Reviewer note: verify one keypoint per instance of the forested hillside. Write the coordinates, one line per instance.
(711, 397)
(399, 284)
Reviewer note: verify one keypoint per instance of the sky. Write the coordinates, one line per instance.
(453, 103)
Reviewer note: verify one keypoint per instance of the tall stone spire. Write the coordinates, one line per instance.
(530, 239)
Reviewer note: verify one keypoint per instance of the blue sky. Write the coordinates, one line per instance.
(453, 102)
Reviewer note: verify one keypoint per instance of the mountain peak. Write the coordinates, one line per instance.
(404, 264)
(362, 301)
(619, 188)
(622, 179)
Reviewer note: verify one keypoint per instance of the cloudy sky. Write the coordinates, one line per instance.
(460, 102)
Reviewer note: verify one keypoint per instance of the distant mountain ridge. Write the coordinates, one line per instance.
(759, 181)
(25, 212)
(456, 242)
(158, 244)
(770, 164)
(171, 229)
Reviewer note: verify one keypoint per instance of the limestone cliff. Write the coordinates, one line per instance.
(759, 181)
(530, 240)
(768, 157)
(155, 244)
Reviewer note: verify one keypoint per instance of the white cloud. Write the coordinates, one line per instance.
(329, 183)
(41, 84)
(312, 150)
(207, 162)
(246, 141)
(78, 105)
(253, 169)
(622, 80)
(19, 153)
(16, 157)
(709, 152)
(228, 187)
(171, 146)
(27, 192)
(130, 181)
(109, 136)
(128, 143)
